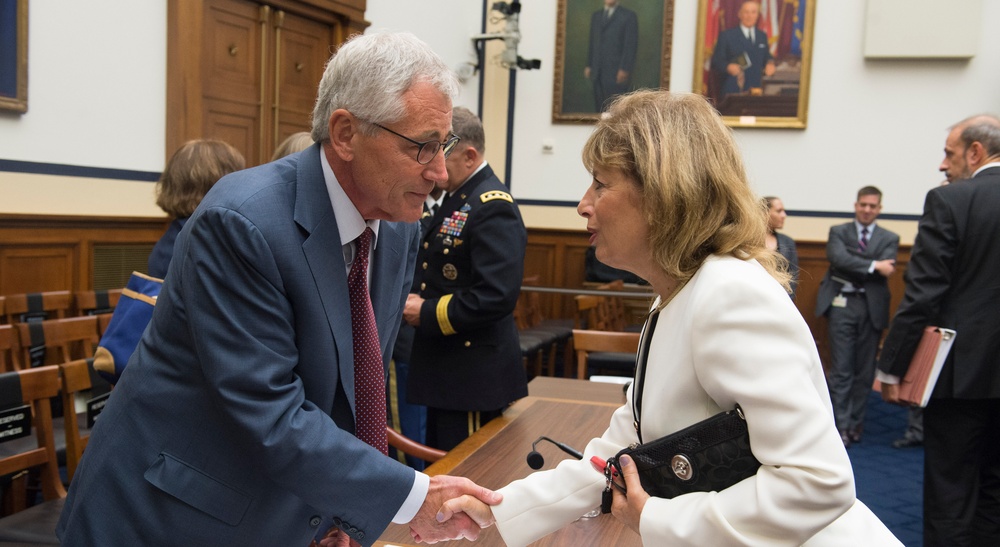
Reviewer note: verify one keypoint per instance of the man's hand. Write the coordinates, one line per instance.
(411, 312)
(586, 73)
(734, 69)
(769, 69)
(621, 77)
(890, 393)
(475, 509)
(628, 507)
(885, 267)
(425, 526)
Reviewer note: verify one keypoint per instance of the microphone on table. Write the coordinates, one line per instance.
(535, 459)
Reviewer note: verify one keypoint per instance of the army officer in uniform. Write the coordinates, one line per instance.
(466, 361)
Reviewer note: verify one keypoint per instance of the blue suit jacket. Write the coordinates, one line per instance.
(233, 422)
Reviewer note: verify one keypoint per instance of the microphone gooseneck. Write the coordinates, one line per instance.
(535, 459)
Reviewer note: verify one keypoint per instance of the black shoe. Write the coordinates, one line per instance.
(846, 438)
(906, 442)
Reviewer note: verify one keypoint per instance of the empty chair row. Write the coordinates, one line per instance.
(39, 306)
(54, 341)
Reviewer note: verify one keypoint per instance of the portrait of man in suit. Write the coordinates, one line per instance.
(854, 297)
(614, 39)
(742, 54)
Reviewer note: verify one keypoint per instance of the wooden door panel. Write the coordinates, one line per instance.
(37, 268)
(232, 50)
(237, 124)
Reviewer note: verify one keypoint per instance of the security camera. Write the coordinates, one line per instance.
(511, 35)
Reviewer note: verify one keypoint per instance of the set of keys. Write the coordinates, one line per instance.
(610, 474)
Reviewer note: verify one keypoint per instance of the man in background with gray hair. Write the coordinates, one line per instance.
(253, 410)
(953, 281)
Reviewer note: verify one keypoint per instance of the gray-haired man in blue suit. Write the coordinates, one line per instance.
(234, 423)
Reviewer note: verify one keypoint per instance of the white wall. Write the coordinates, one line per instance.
(97, 74)
(96, 86)
(869, 122)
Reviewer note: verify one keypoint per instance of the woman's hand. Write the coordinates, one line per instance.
(475, 509)
(628, 507)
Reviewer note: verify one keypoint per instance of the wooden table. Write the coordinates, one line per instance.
(569, 411)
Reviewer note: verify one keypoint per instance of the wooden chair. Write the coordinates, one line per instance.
(96, 302)
(3, 306)
(614, 347)
(78, 379)
(410, 447)
(35, 524)
(58, 340)
(38, 306)
(10, 349)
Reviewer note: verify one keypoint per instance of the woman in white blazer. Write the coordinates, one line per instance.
(670, 202)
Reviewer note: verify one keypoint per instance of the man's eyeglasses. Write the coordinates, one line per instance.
(426, 150)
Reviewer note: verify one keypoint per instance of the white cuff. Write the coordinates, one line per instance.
(886, 378)
(413, 502)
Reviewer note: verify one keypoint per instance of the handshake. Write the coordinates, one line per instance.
(455, 508)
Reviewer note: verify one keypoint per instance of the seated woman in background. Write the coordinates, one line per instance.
(669, 201)
(296, 142)
(784, 245)
(190, 173)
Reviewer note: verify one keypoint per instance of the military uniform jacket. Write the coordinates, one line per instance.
(466, 352)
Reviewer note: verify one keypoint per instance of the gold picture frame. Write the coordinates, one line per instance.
(752, 98)
(14, 56)
(576, 90)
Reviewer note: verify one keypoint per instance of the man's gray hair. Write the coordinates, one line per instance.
(984, 129)
(469, 128)
(369, 74)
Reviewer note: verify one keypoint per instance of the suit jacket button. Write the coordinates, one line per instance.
(423, 286)
(426, 244)
(468, 343)
(361, 535)
(425, 265)
(338, 522)
(314, 521)
(446, 251)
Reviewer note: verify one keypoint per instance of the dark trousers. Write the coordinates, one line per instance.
(447, 428)
(853, 345)
(962, 472)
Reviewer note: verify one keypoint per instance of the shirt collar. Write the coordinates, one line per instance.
(990, 165)
(350, 223)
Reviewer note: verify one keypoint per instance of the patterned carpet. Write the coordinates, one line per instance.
(890, 480)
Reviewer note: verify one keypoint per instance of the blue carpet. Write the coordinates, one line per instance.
(890, 480)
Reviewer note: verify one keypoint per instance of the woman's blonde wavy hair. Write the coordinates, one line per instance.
(695, 194)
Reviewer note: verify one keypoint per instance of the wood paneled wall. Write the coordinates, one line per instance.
(50, 253)
(42, 253)
(556, 257)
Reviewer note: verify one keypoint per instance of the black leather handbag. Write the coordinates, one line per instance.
(710, 455)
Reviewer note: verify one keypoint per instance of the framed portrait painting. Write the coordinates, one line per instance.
(605, 48)
(14, 55)
(753, 59)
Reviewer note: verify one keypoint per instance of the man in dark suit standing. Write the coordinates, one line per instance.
(253, 410)
(614, 41)
(854, 296)
(953, 281)
(742, 55)
(466, 363)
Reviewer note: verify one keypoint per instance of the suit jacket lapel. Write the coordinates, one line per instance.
(322, 250)
(387, 276)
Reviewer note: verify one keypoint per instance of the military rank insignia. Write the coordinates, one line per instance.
(453, 226)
